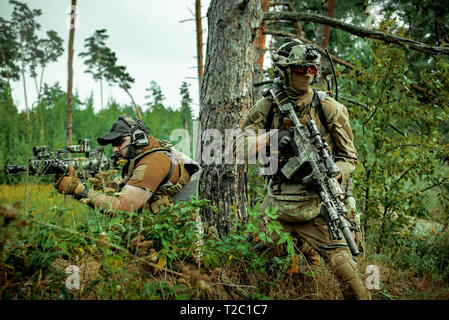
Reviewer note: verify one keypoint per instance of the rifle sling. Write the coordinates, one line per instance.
(316, 103)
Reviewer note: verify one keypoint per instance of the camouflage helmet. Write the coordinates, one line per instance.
(294, 52)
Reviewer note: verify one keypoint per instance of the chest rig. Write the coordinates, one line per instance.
(277, 120)
(162, 197)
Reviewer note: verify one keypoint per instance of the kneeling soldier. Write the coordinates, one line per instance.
(153, 174)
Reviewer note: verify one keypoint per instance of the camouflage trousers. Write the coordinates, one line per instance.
(334, 252)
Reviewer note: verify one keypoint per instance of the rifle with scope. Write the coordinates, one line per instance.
(58, 161)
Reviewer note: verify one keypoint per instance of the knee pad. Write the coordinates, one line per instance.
(344, 266)
(345, 269)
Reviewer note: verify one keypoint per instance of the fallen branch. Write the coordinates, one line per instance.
(356, 30)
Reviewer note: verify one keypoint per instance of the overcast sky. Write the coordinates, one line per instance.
(146, 35)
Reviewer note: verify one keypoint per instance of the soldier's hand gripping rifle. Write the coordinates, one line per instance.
(316, 168)
(57, 162)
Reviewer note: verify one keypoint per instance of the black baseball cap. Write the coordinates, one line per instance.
(119, 128)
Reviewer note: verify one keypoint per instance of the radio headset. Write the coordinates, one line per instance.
(138, 131)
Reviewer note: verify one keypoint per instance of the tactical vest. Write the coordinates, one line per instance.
(275, 120)
(162, 197)
(295, 202)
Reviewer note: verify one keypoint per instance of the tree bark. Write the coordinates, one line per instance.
(327, 29)
(226, 95)
(199, 41)
(356, 30)
(320, 30)
(322, 40)
(260, 52)
(68, 136)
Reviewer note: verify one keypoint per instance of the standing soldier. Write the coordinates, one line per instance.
(299, 206)
(153, 174)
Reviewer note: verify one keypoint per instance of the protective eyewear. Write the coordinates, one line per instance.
(118, 142)
(305, 69)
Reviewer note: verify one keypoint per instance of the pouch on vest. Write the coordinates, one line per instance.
(294, 202)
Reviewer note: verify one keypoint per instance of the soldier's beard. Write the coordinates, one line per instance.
(132, 152)
(301, 82)
(128, 152)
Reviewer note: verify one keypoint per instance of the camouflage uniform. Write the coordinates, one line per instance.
(298, 206)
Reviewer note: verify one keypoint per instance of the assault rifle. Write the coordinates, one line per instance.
(317, 169)
(57, 162)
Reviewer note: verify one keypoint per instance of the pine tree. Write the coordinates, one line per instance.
(24, 25)
(96, 56)
(186, 110)
(226, 93)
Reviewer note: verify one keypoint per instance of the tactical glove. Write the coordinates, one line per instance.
(69, 184)
(284, 139)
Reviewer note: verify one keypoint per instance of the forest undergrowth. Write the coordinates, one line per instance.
(173, 256)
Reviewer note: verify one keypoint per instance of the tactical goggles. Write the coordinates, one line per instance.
(118, 142)
(304, 69)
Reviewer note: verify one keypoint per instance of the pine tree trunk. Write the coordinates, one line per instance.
(260, 53)
(226, 96)
(199, 41)
(138, 113)
(25, 89)
(322, 40)
(68, 136)
(41, 109)
(320, 35)
(101, 82)
(39, 105)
